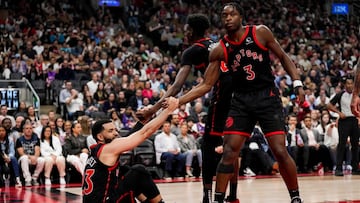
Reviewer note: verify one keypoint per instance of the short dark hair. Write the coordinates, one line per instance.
(98, 127)
(237, 6)
(199, 23)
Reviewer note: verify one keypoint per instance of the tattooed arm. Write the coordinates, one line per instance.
(355, 102)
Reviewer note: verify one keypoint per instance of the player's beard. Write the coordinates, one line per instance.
(107, 140)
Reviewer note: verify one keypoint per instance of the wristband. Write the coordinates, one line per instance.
(297, 83)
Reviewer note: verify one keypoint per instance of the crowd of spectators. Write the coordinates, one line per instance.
(118, 60)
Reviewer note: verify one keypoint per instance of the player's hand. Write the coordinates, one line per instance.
(144, 114)
(172, 103)
(300, 94)
(355, 105)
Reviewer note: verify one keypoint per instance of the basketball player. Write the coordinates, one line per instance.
(104, 181)
(245, 49)
(197, 56)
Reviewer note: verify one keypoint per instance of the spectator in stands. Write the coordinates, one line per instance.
(111, 104)
(51, 151)
(21, 111)
(136, 101)
(100, 95)
(174, 124)
(122, 101)
(44, 121)
(318, 152)
(94, 83)
(128, 118)
(4, 112)
(28, 150)
(147, 91)
(32, 115)
(64, 95)
(189, 148)
(66, 71)
(76, 148)
(59, 129)
(16, 131)
(298, 151)
(168, 150)
(74, 105)
(7, 157)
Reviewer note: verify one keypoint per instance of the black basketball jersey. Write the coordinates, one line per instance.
(248, 62)
(197, 55)
(99, 180)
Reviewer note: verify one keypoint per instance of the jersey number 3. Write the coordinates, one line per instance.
(90, 185)
(250, 72)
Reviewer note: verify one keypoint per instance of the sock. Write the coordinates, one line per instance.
(294, 193)
(232, 194)
(207, 194)
(219, 197)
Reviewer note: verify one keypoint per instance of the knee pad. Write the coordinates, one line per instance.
(222, 168)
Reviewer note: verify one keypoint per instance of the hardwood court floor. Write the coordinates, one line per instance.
(313, 188)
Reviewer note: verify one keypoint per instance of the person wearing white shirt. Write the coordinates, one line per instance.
(167, 149)
(51, 150)
(93, 84)
(74, 104)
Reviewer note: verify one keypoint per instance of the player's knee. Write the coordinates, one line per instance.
(225, 168)
(229, 155)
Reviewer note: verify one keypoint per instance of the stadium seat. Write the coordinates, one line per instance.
(145, 155)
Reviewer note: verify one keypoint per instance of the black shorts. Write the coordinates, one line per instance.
(249, 108)
(219, 106)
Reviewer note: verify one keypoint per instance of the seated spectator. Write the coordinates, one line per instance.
(28, 149)
(115, 118)
(7, 157)
(74, 105)
(51, 150)
(167, 149)
(4, 112)
(21, 111)
(189, 148)
(100, 95)
(318, 152)
(76, 148)
(128, 118)
(44, 121)
(111, 104)
(32, 115)
(16, 131)
(296, 145)
(59, 130)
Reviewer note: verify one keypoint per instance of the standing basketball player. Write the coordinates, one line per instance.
(104, 181)
(245, 49)
(197, 56)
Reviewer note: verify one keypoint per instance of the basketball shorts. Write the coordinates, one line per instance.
(247, 109)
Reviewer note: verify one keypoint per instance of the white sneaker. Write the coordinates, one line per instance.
(62, 181)
(248, 172)
(18, 182)
(47, 181)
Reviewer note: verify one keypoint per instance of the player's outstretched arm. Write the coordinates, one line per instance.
(211, 75)
(172, 91)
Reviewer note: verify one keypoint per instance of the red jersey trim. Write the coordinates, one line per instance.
(241, 39)
(202, 39)
(237, 133)
(274, 133)
(225, 51)
(256, 40)
(200, 45)
(213, 133)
